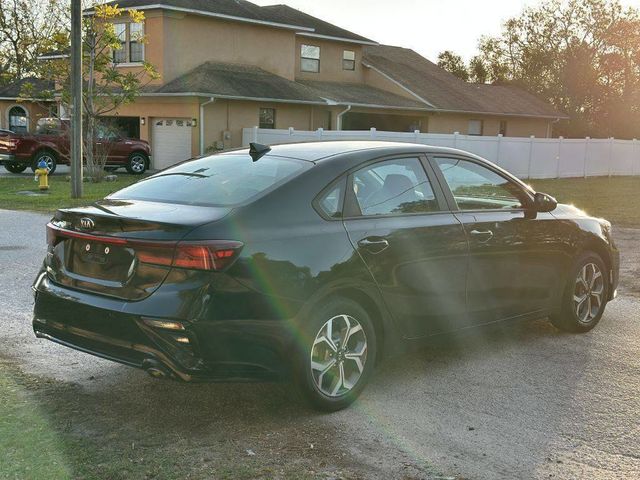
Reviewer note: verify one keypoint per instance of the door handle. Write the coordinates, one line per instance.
(374, 245)
(483, 237)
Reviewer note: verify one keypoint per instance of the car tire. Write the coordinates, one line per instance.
(585, 297)
(15, 167)
(330, 375)
(47, 156)
(137, 163)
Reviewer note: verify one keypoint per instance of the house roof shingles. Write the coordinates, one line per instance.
(446, 92)
(16, 89)
(361, 94)
(239, 81)
(249, 82)
(241, 9)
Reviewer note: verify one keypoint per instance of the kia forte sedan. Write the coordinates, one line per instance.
(313, 262)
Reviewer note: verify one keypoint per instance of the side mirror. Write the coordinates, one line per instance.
(544, 203)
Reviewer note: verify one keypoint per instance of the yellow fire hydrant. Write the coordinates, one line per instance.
(42, 175)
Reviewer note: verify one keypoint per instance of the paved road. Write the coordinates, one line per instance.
(519, 401)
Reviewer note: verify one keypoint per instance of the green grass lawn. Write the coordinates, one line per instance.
(617, 198)
(59, 193)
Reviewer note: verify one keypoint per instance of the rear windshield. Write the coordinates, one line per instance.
(218, 180)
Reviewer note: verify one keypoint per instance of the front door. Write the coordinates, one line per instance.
(397, 219)
(514, 259)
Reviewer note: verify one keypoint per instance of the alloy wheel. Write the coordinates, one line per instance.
(588, 292)
(137, 164)
(338, 355)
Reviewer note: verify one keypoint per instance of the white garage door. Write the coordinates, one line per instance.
(171, 141)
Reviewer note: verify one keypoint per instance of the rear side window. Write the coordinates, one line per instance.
(331, 200)
(394, 187)
(218, 180)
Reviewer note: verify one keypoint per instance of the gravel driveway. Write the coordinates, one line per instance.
(515, 401)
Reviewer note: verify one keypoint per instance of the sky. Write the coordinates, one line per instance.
(426, 26)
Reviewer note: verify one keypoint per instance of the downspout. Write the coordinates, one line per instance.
(202, 105)
(339, 118)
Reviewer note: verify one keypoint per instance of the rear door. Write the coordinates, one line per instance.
(397, 220)
(514, 252)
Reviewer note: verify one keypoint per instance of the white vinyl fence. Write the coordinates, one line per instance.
(523, 157)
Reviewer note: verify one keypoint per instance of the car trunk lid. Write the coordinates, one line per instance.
(120, 248)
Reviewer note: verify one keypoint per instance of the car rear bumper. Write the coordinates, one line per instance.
(217, 352)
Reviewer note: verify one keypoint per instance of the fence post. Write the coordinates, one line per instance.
(373, 132)
(255, 134)
(610, 155)
(586, 150)
(455, 139)
(558, 157)
(319, 133)
(531, 139)
(498, 149)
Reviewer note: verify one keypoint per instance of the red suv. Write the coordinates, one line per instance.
(51, 144)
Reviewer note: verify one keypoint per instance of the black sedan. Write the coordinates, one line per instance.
(313, 262)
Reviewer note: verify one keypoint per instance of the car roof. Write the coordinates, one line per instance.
(320, 151)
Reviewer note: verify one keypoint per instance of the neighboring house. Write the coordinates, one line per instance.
(22, 116)
(226, 65)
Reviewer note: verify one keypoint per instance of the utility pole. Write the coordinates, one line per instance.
(76, 98)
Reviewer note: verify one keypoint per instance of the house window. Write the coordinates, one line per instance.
(18, 120)
(503, 128)
(131, 47)
(475, 127)
(348, 60)
(267, 118)
(310, 58)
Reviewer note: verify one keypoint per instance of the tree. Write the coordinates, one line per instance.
(27, 28)
(454, 64)
(478, 71)
(583, 56)
(106, 87)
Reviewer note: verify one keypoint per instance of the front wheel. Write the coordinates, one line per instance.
(15, 167)
(48, 157)
(137, 163)
(585, 295)
(337, 355)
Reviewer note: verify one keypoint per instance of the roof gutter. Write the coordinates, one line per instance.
(337, 39)
(202, 105)
(339, 117)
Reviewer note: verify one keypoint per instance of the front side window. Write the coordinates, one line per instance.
(348, 60)
(310, 58)
(267, 118)
(217, 180)
(130, 36)
(394, 187)
(475, 187)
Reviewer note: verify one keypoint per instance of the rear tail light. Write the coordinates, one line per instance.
(212, 255)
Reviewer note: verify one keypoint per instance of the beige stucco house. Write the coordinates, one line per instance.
(226, 65)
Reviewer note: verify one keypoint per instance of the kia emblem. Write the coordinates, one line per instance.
(86, 223)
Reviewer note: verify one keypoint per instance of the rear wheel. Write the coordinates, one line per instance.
(337, 355)
(48, 157)
(137, 163)
(15, 167)
(585, 295)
